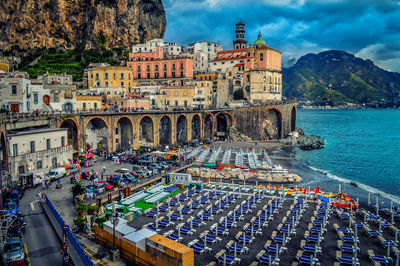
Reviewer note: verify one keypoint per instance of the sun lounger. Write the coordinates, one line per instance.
(186, 230)
(263, 257)
(205, 216)
(223, 257)
(173, 203)
(378, 258)
(186, 211)
(305, 259)
(172, 236)
(239, 248)
(285, 229)
(228, 223)
(150, 213)
(244, 238)
(279, 239)
(199, 248)
(151, 227)
(221, 205)
(176, 217)
(218, 230)
(209, 238)
(346, 248)
(272, 247)
(235, 216)
(310, 248)
(347, 238)
(344, 230)
(196, 223)
(163, 208)
(347, 260)
(194, 205)
(385, 243)
(255, 230)
(312, 238)
(371, 233)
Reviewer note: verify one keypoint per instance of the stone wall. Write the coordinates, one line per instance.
(266, 121)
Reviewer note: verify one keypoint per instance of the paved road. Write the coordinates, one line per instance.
(41, 241)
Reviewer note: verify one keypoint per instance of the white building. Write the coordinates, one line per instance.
(39, 96)
(38, 151)
(15, 95)
(62, 79)
(170, 48)
(203, 52)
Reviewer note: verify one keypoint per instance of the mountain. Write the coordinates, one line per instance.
(29, 25)
(336, 77)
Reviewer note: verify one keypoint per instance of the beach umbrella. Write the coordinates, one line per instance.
(269, 260)
(235, 251)
(226, 222)
(340, 189)
(377, 206)
(356, 244)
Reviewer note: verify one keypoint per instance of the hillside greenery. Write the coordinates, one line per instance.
(336, 78)
(72, 62)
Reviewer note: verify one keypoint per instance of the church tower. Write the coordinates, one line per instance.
(240, 41)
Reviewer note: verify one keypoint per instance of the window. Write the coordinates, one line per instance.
(173, 66)
(15, 149)
(63, 140)
(14, 89)
(91, 76)
(48, 144)
(35, 98)
(106, 75)
(21, 169)
(84, 106)
(165, 66)
(122, 84)
(54, 162)
(148, 67)
(185, 93)
(95, 107)
(32, 146)
(138, 68)
(129, 75)
(139, 76)
(156, 67)
(181, 65)
(148, 75)
(106, 84)
(98, 84)
(176, 93)
(167, 93)
(114, 75)
(122, 75)
(181, 73)
(261, 57)
(156, 75)
(176, 103)
(97, 75)
(185, 102)
(173, 74)
(39, 165)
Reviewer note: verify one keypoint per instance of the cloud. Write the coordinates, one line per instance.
(368, 28)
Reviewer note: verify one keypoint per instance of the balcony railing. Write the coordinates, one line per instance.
(41, 154)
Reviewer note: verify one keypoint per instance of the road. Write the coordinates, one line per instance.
(41, 241)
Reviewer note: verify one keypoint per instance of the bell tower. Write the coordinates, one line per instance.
(240, 41)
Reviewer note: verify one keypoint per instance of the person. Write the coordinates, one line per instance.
(43, 197)
(64, 231)
(39, 195)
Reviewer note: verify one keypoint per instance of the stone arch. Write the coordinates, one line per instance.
(97, 134)
(181, 129)
(293, 116)
(165, 128)
(3, 149)
(146, 131)
(124, 133)
(208, 126)
(73, 132)
(224, 123)
(196, 127)
(272, 124)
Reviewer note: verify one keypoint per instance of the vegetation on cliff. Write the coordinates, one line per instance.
(336, 77)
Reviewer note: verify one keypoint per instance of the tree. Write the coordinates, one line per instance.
(80, 222)
(101, 39)
(238, 95)
(81, 208)
(77, 189)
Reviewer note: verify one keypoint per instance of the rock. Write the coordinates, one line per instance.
(236, 136)
(67, 24)
(305, 142)
(277, 178)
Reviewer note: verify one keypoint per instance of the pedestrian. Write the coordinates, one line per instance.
(39, 195)
(104, 169)
(48, 184)
(43, 197)
(43, 183)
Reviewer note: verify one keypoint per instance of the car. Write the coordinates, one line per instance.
(72, 170)
(14, 252)
(107, 186)
(56, 173)
(11, 207)
(99, 187)
(116, 180)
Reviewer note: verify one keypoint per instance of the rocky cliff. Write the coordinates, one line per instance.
(26, 25)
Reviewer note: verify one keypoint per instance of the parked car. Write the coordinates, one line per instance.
(57, 173)
(14, 252)
(107, 186)
(116, 180)
(71, 170)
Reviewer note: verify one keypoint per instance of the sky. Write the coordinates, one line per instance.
(367, 28)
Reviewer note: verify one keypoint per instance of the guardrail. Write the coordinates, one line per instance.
(75, 244)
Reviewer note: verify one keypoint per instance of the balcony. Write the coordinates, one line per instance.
(41, 154)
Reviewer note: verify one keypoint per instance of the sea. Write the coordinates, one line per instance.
(361, 155)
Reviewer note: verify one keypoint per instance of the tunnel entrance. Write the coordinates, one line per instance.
(272, 124)
(224, 123)
(96, 135)
(72, 133)
(293, 119)
(165, 131)
(181, 130)
(124, 135)
(146, 132)
(208, 127)
(196, 127)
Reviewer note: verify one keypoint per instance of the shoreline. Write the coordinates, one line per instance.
(312, 176)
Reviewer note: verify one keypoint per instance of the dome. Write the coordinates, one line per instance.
(259, 40)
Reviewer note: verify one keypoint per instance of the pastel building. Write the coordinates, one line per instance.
(110, 77)
(158, 65)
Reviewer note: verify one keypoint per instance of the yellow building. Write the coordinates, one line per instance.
(87, 103)
(205, 77)
(176, 97)
(110, 77)
(204, 94)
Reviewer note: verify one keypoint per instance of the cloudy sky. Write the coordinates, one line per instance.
(367, 28)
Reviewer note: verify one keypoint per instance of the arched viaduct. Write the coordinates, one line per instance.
(112, 131)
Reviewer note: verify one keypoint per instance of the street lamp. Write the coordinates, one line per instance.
(114, 220)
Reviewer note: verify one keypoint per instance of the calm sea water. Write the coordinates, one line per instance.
(362, 147)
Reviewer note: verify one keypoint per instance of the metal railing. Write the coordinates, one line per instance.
(81, 252)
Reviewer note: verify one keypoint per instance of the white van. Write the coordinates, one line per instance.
(56, 173)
